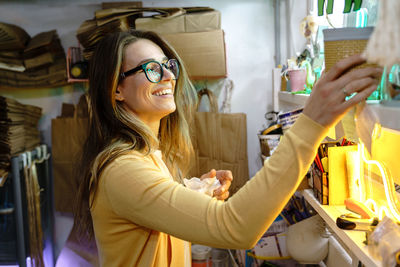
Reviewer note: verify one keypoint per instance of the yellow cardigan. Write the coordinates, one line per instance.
(141, 215)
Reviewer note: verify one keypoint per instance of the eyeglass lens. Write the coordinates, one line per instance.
(154, 70)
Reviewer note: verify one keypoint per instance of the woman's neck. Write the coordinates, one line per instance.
(154, 126)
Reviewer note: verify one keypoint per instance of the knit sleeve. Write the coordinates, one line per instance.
(139, 191)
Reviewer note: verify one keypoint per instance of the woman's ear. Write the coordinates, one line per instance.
(118, 94)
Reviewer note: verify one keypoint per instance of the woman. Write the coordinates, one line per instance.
(138, 150)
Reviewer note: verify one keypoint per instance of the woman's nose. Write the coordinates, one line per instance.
(168, 75)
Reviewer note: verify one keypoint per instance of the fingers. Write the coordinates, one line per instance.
(222, 193)
(210, 174)
(363, 95)
(358, 74)
(342, 66)
(225, 178)
(224, 175)
(358, 85)
(223, 188)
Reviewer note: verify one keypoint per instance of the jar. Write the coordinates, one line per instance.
(220, 258)
(201, 256)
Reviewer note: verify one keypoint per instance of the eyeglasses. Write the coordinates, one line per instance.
(154, 70)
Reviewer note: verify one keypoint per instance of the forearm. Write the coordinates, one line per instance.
(240, 221)
(139, 192)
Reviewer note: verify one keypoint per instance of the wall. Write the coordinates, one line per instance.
(249, 36)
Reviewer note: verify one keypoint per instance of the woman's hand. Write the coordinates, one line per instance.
(225, 179)
(327, 103)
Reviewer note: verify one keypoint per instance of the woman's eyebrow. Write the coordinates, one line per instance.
(151, 59)
(144, 61)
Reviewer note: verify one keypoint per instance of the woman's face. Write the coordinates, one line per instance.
(149, 101)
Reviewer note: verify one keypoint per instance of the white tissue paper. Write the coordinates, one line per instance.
(206, 185)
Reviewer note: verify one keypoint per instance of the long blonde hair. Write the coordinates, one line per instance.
(114, 132)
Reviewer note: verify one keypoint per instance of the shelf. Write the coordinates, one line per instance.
(297, 100)
(388, 115)
(350, 238)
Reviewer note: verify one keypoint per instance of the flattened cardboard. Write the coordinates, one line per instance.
(203, 53)
(203, 21)
(161, 25)
(189, 22)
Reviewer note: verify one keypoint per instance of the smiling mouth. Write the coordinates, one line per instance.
(163, 92)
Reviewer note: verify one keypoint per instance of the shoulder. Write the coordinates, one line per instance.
(133, 161)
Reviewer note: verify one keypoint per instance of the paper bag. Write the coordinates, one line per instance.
(220, 142)
(68, 134)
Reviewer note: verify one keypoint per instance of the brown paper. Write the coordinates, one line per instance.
(203, 21)
(192, 21)
(202, 52)
(220, 142)
(164, 25)
(68, 137)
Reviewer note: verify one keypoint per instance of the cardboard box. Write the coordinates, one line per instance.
(203, 21)
(203, 53)
(189, 22)
(161, 25)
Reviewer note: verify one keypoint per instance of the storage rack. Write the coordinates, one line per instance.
(38, 156)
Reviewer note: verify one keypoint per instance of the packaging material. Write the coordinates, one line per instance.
(68, 135)
(189, 22)
(224, 147)
(203, 53)
(203, 21)
(165, 25)
(385, 242)
(206, 185)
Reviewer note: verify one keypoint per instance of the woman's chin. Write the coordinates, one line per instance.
(168, 111)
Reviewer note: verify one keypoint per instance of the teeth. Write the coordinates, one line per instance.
(164, 92)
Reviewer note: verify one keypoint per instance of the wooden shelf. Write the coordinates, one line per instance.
(352, 239)
(295, 100)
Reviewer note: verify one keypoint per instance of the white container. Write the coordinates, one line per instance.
(306, 241)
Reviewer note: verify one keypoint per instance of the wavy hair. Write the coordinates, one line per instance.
(113, 131)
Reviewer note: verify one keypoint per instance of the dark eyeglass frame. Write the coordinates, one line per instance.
(142, 67)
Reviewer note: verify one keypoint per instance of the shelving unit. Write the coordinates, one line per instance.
(19, 210)
(350, 241)
(388, 116)
(353, 240)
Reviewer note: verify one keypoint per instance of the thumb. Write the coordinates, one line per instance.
(212, 173)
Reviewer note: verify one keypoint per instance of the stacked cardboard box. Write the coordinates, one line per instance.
(197, 37)
(194, 32)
